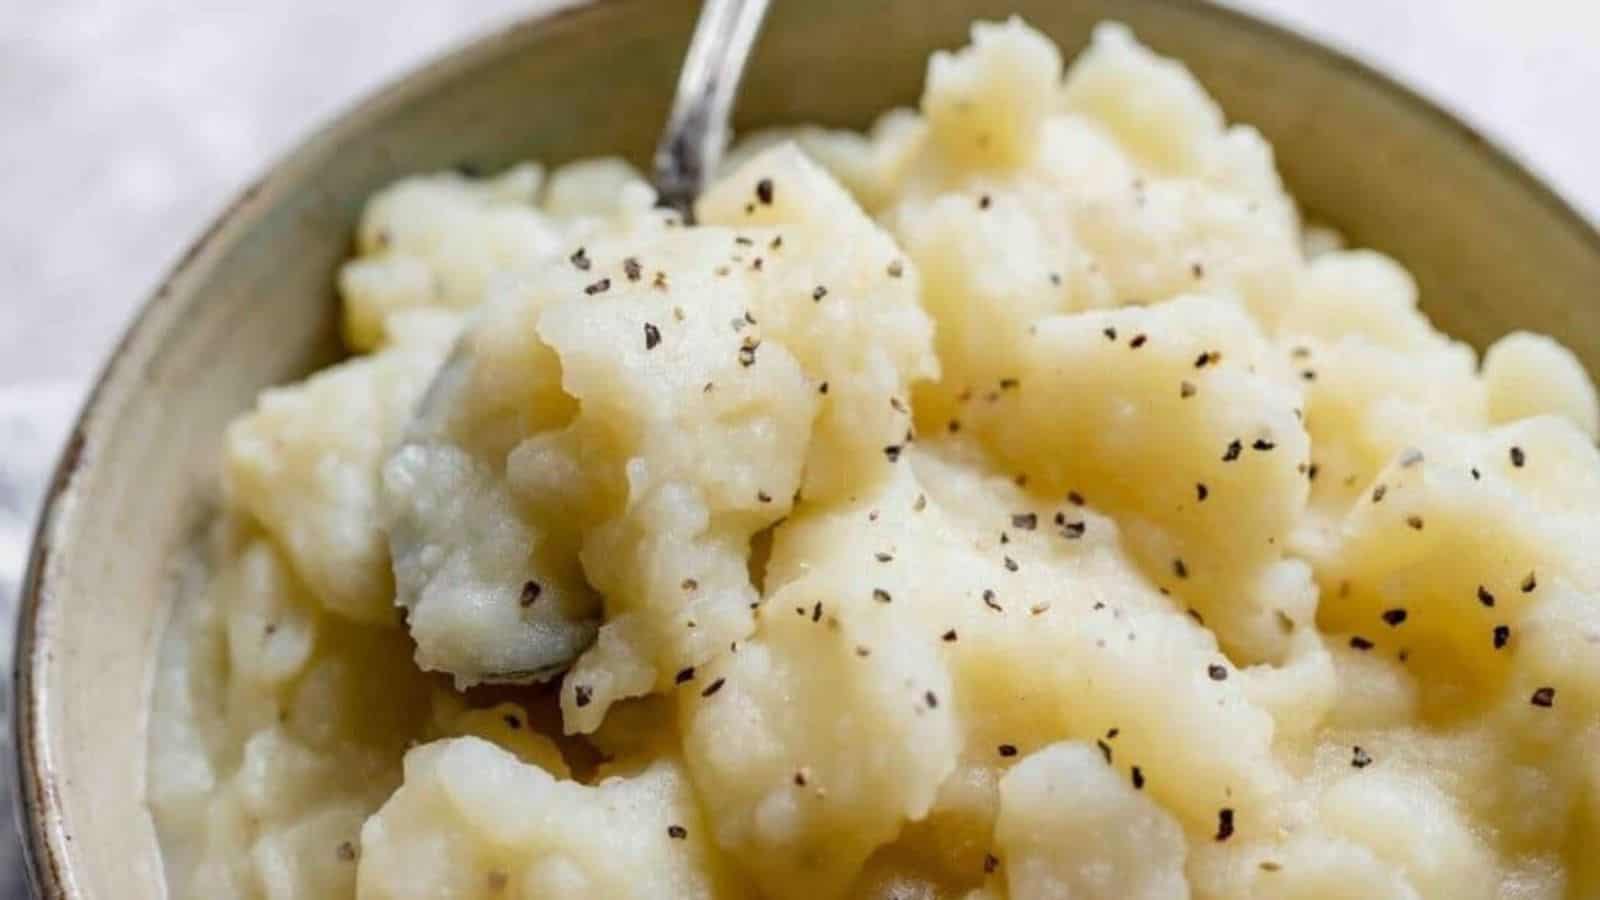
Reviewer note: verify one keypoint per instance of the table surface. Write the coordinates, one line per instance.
(130, 123)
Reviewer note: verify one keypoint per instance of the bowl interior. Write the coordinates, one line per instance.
(252, 304)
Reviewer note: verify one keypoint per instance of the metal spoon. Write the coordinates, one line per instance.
(692, 144)
(697, 130)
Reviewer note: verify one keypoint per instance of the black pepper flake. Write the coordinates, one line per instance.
(677, 832)
(984, 202)
(892, 452)
(883, 557)
(1544, 697)
(1312, 470)
(1040, 608)
(652, 336)
(1530, 583)
(1360, 758)
(1105, 750)
(580, 259)
(949, 637)
(1518, 458)
(1008, 750)
(822, 388)
(1378, 492)
(530, 593)
(1394, 617)
(1484, 597)
(1025, 521)
(989, 601)
(1263, 445)
(684, 675)
(800, 778)
(1011, 564)
(660, 281)
(776, 243)
(747, 352)
(954, 426)
(764, 191)
(346, 851)
(713, 687)
(599, 287)
(1207, 358)
(1197, 270)
(1074, 530)
(990, 863)
(920, 504)
(1195, 615)
(1055, 278)
(1005, 538)
(631, 268)
(881, 595)
(932, 699)
(689, 584)
(863, 651)
(1007, 384)
(818, 292)
(1476, 474)
(1217, 672)
(816, 612)
(763, 496)
(1224, 824)
(1186, 389)
(1075, 498)
(1201, 492)
(1180, 568)
(895, 269)
(1308, 375)
(1109, 332)
(1233, 451)
(1414, 522)
(1138, 778)
(581, 695)
(1502, 636)
(743, 241)
(1360, 643)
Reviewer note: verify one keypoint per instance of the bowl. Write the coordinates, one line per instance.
(252, 303)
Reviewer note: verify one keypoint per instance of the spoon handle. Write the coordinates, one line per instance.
(697, 130)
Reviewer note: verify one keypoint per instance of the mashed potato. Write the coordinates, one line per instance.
(1013, 502)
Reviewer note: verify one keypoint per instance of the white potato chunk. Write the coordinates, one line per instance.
(473, 821)
(1529, 374)
(1071, 827)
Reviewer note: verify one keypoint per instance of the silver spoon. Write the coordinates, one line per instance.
(544, 641)
(697, 129)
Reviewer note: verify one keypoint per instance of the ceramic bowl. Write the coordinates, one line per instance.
(252, 303)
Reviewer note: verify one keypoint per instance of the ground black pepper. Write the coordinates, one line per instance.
(530, 593)
(1224, 824)
(652, 336)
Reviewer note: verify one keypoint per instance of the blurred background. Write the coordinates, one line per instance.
(129, 124)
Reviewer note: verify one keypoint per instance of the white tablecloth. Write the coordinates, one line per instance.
(129, 123)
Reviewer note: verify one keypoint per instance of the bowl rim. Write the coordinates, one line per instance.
(35, 798)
